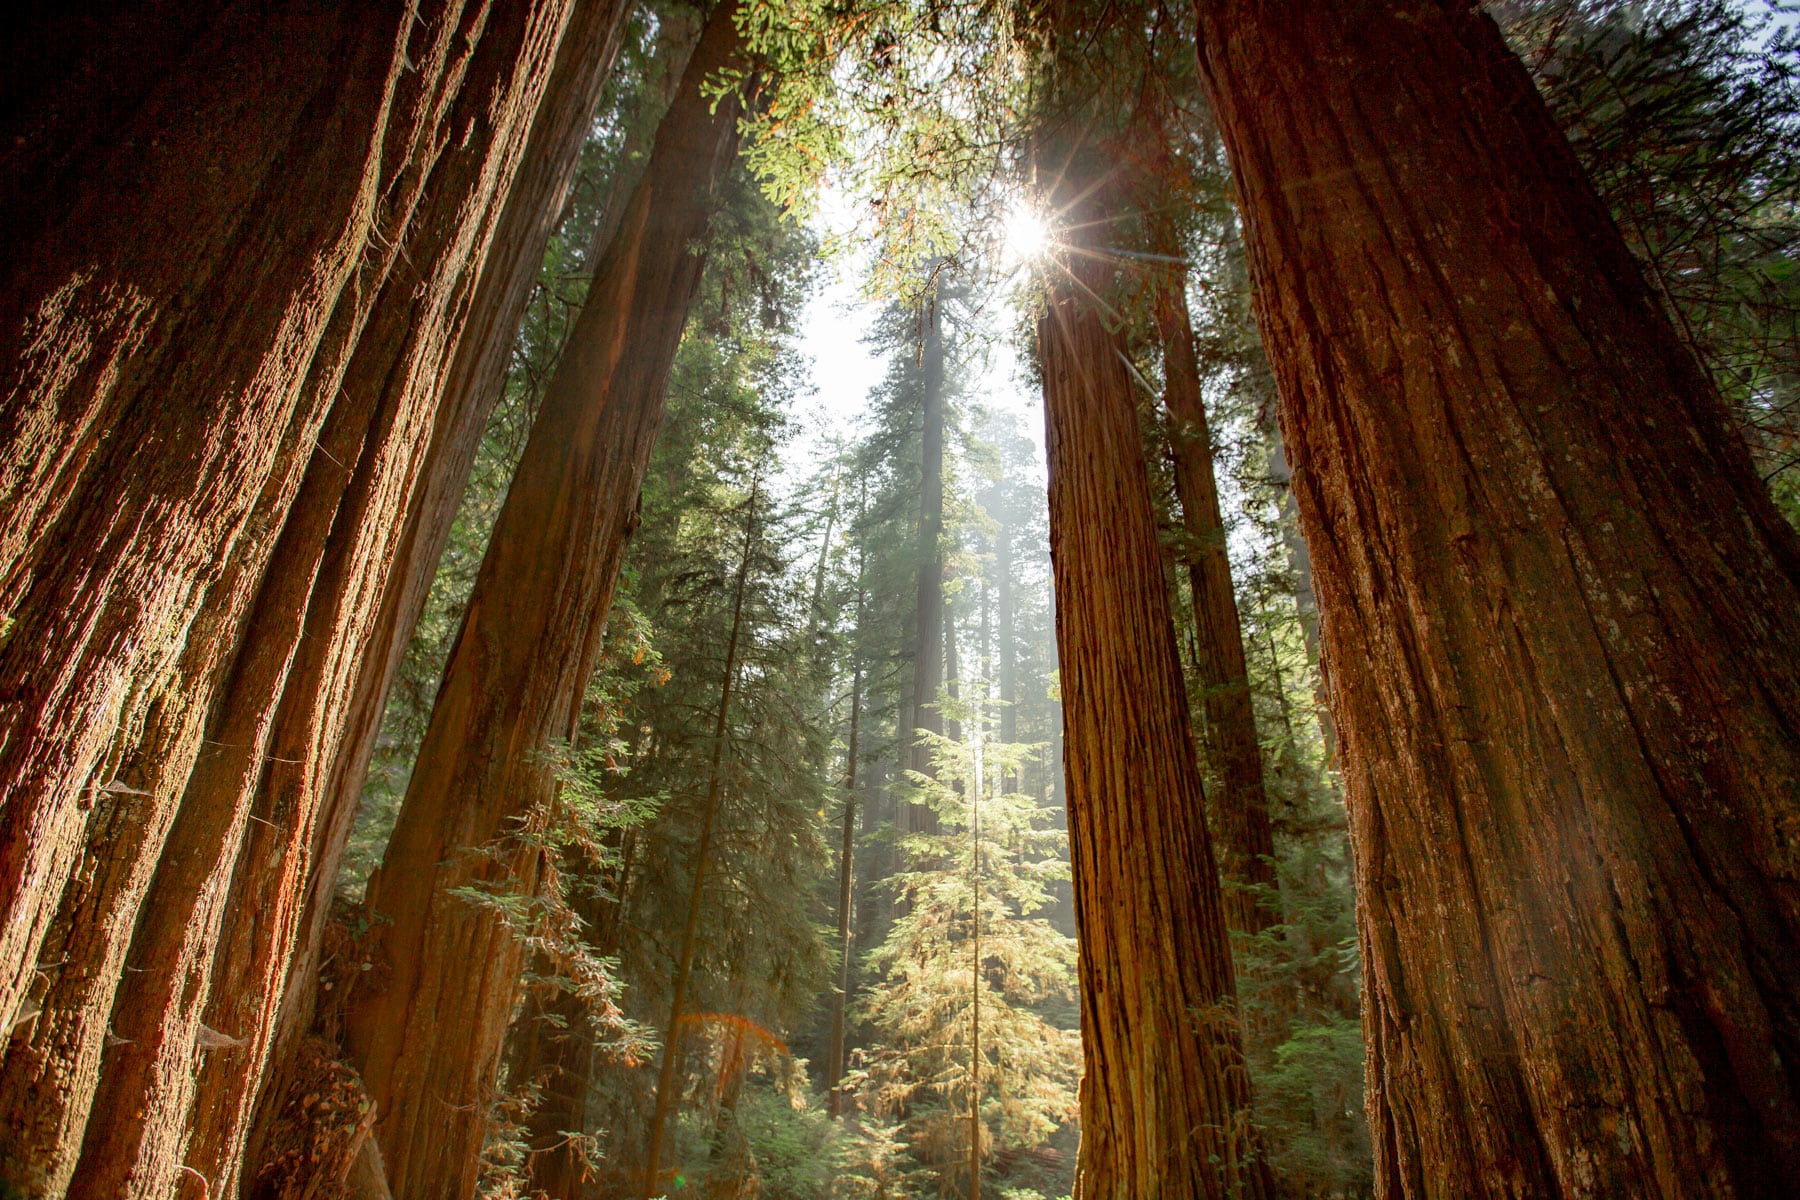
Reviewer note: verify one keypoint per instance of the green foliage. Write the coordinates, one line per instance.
(1686, 114)
(908, 107)
(969, 942)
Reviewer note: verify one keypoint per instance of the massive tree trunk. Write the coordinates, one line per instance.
(1561, 626)
(1241, 814)
(427, 1036)
(303, 812)
(192, 220)
(1164, 1103)
(280, 718)
(370, 377)
(331, 706)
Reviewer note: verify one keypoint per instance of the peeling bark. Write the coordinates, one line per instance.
(1561, 626)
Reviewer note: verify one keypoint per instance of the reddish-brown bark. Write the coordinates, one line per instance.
(1240, 813)
(1561, 623)
(282, 715)
(356, 622)
(427, 1041)
(1164, 1103)
(193, 232)
(223, 475)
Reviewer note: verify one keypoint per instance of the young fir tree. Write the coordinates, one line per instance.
(969, 1059)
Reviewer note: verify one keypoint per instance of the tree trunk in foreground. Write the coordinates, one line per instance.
(370, 373)
(1165, 1100)
(1241, 815)
(1561, 626)
(280, 719)
(195, 191)
(427, 1042)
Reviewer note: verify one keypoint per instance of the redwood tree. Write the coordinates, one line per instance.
(1561, 623)
(428, 1035)
(1165, 1101)
(364, 388)
(195, 190)
(1241, 815)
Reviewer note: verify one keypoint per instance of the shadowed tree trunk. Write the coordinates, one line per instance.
(281, 716)
(1246, 841)
(193, 217)
(1561, 626)
(428, 1038)
(304, 807)
(1165, 1100)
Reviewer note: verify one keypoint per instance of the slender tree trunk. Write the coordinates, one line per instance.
(1165, 1100)
(428, 1038)
(952, 676)
(846, 853)
(840, 1000)
(1009, 655)
(684, 963)
(928, 641)
(1561, 625)
(1241, 814)
(975, 976)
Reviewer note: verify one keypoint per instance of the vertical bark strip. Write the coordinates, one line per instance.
(1246, 841)
(395, 510)
(428, 1041)
(404, 76)
(299, 828)
(1561, 623)
(1164, 1103)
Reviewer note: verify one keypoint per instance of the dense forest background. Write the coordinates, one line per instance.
(674, 795)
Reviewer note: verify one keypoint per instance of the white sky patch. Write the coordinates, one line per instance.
(833, 329)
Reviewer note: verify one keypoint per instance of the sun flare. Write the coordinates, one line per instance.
(1027, 234)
